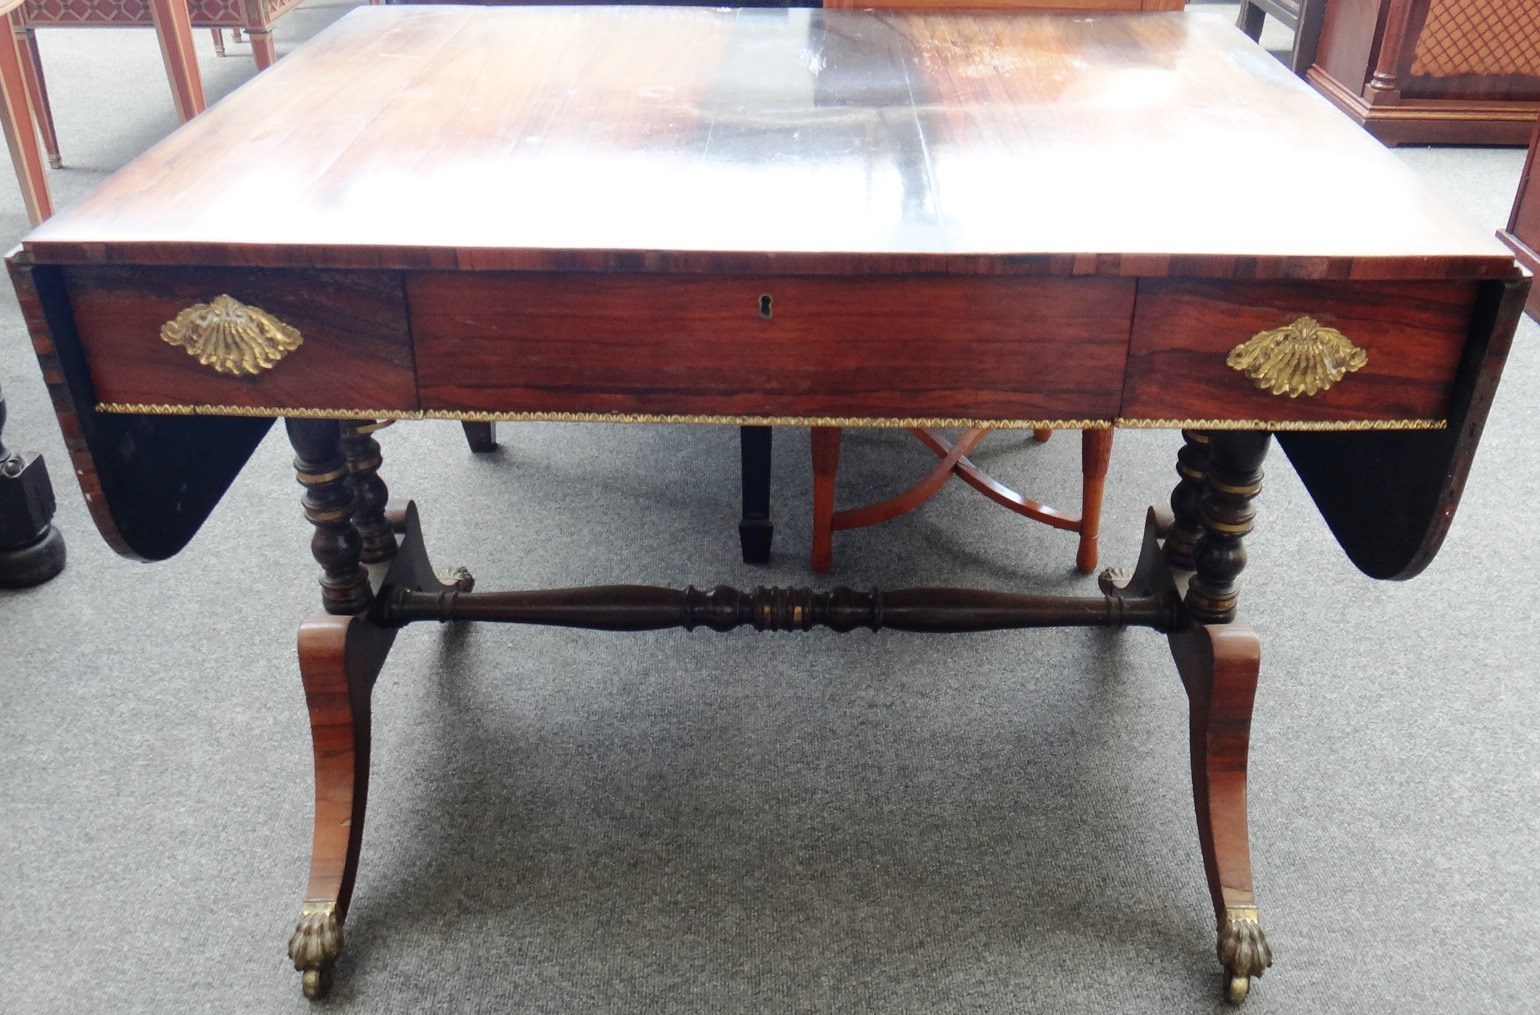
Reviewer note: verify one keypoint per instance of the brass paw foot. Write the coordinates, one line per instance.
(460, 578)
(1243, 950)
(316, 943)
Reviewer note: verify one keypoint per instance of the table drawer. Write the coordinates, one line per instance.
(879, 348)
(354, 352)
(1411, 333)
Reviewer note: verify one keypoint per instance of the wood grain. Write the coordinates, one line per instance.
(353, 324)
(687, 139)
(1413, 333)
(988, 348)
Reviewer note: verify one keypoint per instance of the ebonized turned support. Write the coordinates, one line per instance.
(369, 491)
(322, 469)
(1233, 480)
(1192, 463)
(652, 608)
(31, 548)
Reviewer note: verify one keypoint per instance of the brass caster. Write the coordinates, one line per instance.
(316, 943)
(1243, 950)
(316, 983)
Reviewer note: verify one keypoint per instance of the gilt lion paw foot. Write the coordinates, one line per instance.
(1243, 950)
(316, 943)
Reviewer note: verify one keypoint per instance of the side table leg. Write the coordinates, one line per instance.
(338, 677)
(755, 530)
(826, 463)
(263, 52)
(481, 437)
(1219, 667)
(1219, 660)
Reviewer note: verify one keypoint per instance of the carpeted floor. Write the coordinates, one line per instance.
(579, 822)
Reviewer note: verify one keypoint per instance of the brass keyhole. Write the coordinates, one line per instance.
(764, 306)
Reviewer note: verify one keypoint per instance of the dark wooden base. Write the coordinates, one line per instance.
(1432, 121)
(340, 657)
(31, 548)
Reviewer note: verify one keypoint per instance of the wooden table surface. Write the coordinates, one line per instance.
(800, 140)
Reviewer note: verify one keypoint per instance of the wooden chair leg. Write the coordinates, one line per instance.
(1095, 450)
(826, 463)
(219, 41)
(482, 437)
(20, 134)
(262, 49)
(1250, 20)
(173, 27)
(755, 530)
(1219, 665)
(37, 91)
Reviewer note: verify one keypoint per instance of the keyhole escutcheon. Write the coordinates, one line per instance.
(764, 306)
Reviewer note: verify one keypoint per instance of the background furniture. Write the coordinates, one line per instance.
(1439, 71)
(1303, 18)
(255, 17)
(1096, 446)
(1523, 232)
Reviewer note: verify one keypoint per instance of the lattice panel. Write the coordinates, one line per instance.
(1483, 37)
(205, 13)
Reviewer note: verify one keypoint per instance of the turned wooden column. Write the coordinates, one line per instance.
(369, 491)
(1192, 464)
(322, 469)
(1233, 480)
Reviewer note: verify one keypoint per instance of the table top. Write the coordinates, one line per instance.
(654, 138)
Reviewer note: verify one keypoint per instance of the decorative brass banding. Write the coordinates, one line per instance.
(163, 409)
(1282, 424)
(1303, 358)
(231, 337)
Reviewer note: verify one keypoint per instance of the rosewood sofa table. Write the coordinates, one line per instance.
(784, 217)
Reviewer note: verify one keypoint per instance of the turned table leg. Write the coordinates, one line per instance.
(1218, 660)
(340, 656)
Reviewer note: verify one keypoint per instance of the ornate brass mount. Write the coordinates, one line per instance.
(1302, 359)
(316, 943)
(1243, 950)
(231, 337)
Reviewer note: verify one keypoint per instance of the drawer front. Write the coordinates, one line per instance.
(1411, 334)
(354, 351)
(880, 348)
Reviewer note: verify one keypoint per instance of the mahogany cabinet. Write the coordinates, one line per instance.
(1433, 71)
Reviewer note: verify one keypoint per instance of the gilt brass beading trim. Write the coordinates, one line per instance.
(1303, 358)
(151, 409)
(1282, 424)
(231, 337)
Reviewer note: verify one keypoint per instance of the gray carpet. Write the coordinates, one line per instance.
(579, 822)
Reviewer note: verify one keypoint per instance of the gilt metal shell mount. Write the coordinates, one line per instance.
(1304, 358)
(231, 337)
